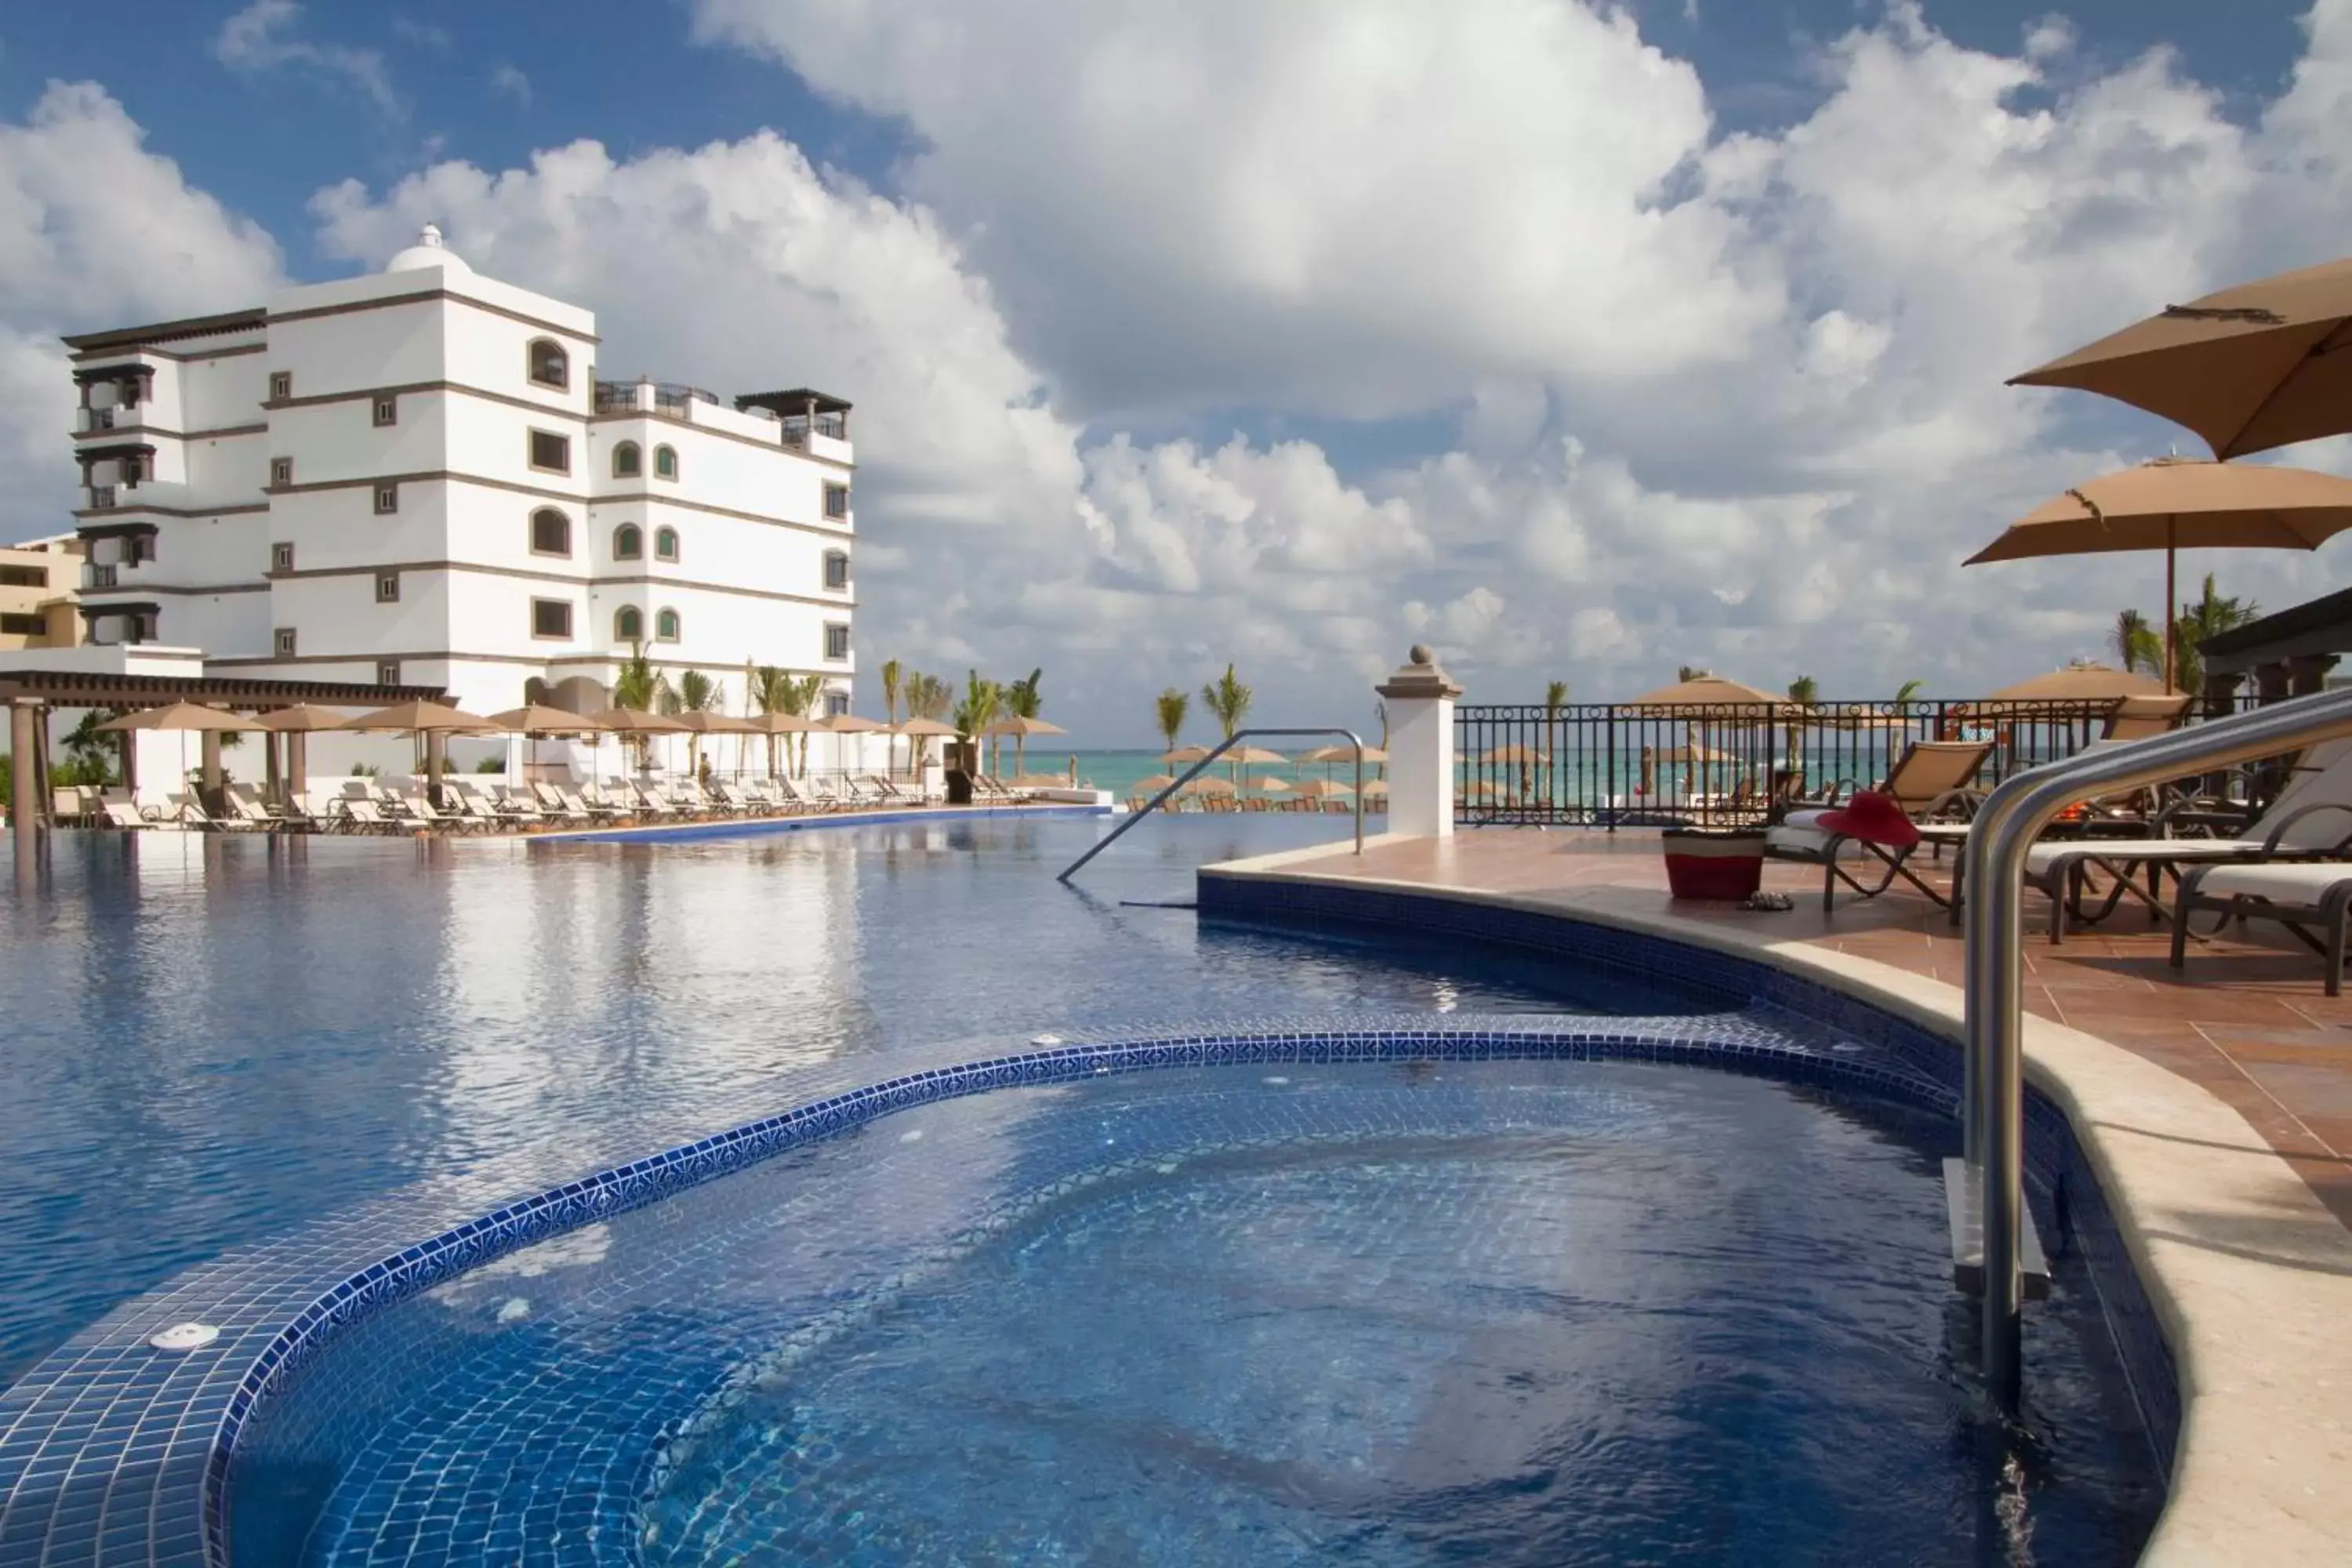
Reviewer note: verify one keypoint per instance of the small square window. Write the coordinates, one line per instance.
(550, 617)
(281, 385)
(387, 672)
(837, 501)
(387, 587)
(836, 570)
(387, 408)
(387, 499)
(836, 642)
(282, 471)
(551, 451)
(281, 557)
(284, 642)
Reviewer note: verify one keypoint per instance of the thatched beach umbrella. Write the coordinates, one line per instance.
(2079, 683)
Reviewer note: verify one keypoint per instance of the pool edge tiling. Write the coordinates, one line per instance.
(2247, 1276)
(759, 826)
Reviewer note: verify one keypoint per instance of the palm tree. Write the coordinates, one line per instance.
(1229, 699)
(641, 688)
(2135, 642)
(927, 697)
(1688, 672)
(1804, 690)
(1904, 693)
(694, 693)
(800, 700)
(1381, 713)
(1021, 699)
(770, 691)
(1169, 710)
(890, 681)
(982, 699)
(2208, 616)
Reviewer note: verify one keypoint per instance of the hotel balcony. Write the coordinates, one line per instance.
(96, 421)
(802, 420)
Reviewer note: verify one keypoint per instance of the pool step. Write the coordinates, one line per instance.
(1965, 1211)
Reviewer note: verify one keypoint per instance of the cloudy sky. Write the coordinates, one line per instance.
(1579, 340)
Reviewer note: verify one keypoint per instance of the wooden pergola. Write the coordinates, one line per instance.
(29, 694)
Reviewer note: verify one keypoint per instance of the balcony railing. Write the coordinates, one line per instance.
(833, 427)
(668, 397)
(1602, 764)
(96, 578)
(101, 496)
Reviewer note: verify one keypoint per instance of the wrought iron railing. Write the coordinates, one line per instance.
(1604, 764)
(669, 397)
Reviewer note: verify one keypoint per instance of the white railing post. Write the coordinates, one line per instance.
(1421, 747)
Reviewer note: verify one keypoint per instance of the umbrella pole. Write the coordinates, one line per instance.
(2169, 525)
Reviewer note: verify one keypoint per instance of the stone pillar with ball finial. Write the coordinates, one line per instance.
(1421, 747)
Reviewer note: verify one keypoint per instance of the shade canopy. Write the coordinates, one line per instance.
(1320, 789)
(1247, 754)
(2249, 368)
(2181, 503)
(1340, 752)
(423, 718)
(2079, 683)
(538, 719)
(1376, 786)
(1269, 783)
(785, 724)
(1711, 691)
(1210, 784)
(183, 716)
(304, 717)
(924, 727)
(1018, 725)
(634, 721)
(1184, 754)
(703, 721)
(1154, 784)
(851, 725)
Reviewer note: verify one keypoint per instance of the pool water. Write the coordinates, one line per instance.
(210, 1041)
(1493, 1313)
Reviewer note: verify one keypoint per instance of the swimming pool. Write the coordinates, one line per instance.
(235, 1039)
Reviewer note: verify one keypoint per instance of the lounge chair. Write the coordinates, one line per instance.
(191, 810)
(2139, 718)
(121, 814)
(1932, 783)
(2297, 894)
(2312, 816)
(250, 811)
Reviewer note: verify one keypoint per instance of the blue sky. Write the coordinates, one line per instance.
(1582, 340)
(629, 73)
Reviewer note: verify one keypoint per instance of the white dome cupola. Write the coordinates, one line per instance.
(428, 251)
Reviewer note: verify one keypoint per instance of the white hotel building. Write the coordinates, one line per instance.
(416, 477)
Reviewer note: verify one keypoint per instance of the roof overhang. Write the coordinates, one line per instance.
(798, 400)
(73, 689)
(123, 340)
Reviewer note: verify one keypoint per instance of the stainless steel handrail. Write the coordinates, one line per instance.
(2013, 816)
(1197, 768)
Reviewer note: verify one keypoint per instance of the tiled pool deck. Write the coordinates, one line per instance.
(2216, 1108)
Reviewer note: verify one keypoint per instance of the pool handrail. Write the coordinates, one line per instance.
(2003, 830)
(1197, 768)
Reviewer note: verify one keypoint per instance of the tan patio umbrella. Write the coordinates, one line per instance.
(1184, 754)
(1375, 786)
(2181, 504)
(1713, 691)
(433, 720)
(2079, 683)
(1154, 784)
(636, 721)
(183, 717)
(1269, 783)
(775, 724)
(1021, 727)
(1339, 752)
(1210, 783)
(1323, 789)
(2248, 369)
(916, 729)
(534, 720)
(297, 724)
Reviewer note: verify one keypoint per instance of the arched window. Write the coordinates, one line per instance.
(665, 626)
(628, 543)
(664, 462)
(628, 624)
(628, 460)
(551, 532)
(664, 544)
(550, 366)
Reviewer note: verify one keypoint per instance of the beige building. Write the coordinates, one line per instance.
(39, 580)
